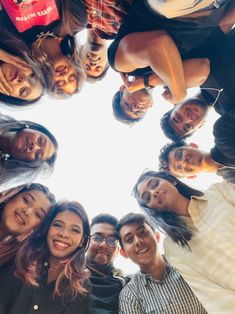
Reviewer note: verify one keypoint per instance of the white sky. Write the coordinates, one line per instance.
(99, 158)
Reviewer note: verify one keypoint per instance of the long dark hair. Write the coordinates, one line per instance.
(9, 42)
(12, 170)
(168, 221)
(9, 248)
(32, 256)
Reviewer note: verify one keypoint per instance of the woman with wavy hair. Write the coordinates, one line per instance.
(22, 210)
(51, 265)
(200, 234)
(27, 149)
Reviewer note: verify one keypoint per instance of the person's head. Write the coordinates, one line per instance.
(183, 160)
(59, 58)
(158, 193)
(131, 107)
(103, 245)
(184, 119)
(26, 209)
(95, 60)
(137, 238)
(62, 240)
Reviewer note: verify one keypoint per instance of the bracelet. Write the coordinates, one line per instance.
(146, 82)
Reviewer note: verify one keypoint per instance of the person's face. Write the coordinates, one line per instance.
(157, 193)
(102, 253)
(136, 104)
(25, 211)
(139, 243)
(95, 59)
(187, 118)
(23, 85)
(31, 145)
(186, 161)
(66, 77)
(65, 234)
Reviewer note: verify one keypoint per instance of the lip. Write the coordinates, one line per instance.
(60, 68)
(142, 250)
(191, 113)
(12, 76)
(19, 219)
(61, 245)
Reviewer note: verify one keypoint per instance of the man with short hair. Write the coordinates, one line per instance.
(157, 287)
(187, 160)
(106, 280)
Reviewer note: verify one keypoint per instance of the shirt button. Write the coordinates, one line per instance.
(35, 307)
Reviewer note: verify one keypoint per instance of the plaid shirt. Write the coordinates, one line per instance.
(105, 16)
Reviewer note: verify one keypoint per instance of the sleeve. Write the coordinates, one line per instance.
(128, 302)
(224, 138)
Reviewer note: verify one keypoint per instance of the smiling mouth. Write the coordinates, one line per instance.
(142, 251)
(19, 219)
(59, 245)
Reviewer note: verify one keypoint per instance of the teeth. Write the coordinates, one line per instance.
(19, 219)
(61, 244)
(143, 251)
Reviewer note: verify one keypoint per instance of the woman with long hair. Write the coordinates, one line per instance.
(21, 80)
(52, 265)
(200, 233)
(22, 209)
(27, 149)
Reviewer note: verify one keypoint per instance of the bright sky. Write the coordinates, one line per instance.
(99, 158)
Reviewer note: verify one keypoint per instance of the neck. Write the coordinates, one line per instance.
(209, 164)
(180, 206)
(5, 142)
(156, 268)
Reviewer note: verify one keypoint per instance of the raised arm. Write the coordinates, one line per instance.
(196, 72)
(157, 50)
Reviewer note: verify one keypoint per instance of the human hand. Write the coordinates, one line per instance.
(14, 60)
(134, 85)
(5, 88)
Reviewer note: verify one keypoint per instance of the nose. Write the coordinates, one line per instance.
(27, 211)
(33, 145)
(63, 72)
(138, 240)
(20, 78)
(103, 243)
(64, 233)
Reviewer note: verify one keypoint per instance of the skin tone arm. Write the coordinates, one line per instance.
(196, 72)
(157, 50)
(228, 20)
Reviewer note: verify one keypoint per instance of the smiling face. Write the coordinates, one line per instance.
(157, 193)
(139, 243)
(31, 145)
(102, 253)
(95, 59)
(186, 160)
(24, 86)
(65, 234)
(25, 211)
(135, 105)
(187, 117)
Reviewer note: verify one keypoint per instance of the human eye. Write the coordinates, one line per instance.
(57, 224)
(187, 127)
(143, 233)
(111, 241)
(128, 239)
(73, 77)
(26, 199)
(153, 184)
(177, 118)
(76, 230)
(179, 167)
(146, 197)
(59, 83)
(38, 215)
(97, 238)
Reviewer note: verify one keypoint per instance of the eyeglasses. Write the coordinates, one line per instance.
(98, 239)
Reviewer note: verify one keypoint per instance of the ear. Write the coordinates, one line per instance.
(158, 236)
(122, 88)
(123, 253)
(194, 145)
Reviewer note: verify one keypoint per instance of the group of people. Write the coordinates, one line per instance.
(52, 260)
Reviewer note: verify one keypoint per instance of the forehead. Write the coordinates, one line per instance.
(103, 228)
(69, 217)
(131, 228)
(37, 197)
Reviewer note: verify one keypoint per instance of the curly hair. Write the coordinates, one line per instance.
(164, 154)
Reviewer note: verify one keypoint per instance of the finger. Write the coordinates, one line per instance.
(19, 62)
(4, 86)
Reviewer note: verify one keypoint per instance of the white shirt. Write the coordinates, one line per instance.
(209, 268)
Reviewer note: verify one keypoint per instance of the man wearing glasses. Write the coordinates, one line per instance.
(106, 281)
